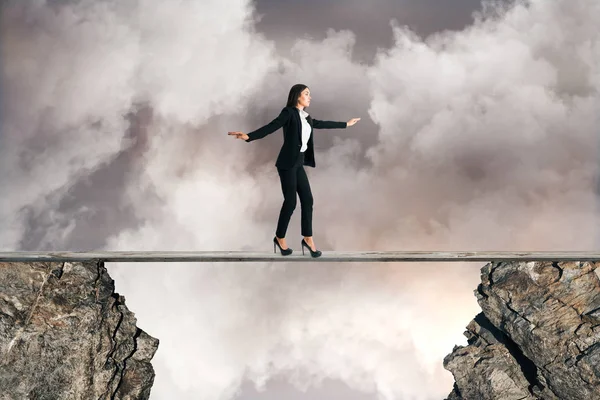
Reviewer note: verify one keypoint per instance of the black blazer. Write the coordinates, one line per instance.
(289, 119)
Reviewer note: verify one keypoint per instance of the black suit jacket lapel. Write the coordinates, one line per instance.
(299, 124)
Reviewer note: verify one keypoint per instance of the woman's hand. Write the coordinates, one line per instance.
(238, 135)
(352, 121)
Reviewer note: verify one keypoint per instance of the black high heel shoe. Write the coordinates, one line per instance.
(284, 252)
(313, 254)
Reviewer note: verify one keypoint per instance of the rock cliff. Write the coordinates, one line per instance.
(537, 337)
(65, 334)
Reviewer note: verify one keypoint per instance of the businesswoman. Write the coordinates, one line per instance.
(297, 151)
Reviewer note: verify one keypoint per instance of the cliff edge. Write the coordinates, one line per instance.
(537, 336)
(65, 334)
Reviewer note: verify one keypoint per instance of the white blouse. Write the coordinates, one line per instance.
(305, 130)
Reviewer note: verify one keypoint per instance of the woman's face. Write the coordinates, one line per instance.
(304, 99)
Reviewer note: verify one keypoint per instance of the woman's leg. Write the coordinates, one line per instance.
(288, 187)
(306, 203)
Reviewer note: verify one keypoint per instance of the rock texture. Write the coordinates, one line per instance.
(538, 336)
(65, 334)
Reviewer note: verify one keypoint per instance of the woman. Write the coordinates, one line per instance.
(297, 151)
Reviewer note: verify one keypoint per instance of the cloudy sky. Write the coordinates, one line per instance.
(477, 132)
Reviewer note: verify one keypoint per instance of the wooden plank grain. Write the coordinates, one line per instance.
(328, 256)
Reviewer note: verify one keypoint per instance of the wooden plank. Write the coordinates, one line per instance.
(328, 256)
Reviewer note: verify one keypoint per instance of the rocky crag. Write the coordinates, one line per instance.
(65, 334)
(537, 337)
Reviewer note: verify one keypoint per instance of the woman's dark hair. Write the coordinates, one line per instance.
(295, 92)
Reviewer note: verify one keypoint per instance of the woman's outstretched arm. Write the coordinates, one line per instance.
(271, 127)
(318, 124)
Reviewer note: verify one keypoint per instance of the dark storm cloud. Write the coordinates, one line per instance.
(284, 21)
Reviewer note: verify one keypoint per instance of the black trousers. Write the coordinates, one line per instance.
(294, 180)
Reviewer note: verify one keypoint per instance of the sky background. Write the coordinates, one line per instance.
(477, 132)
